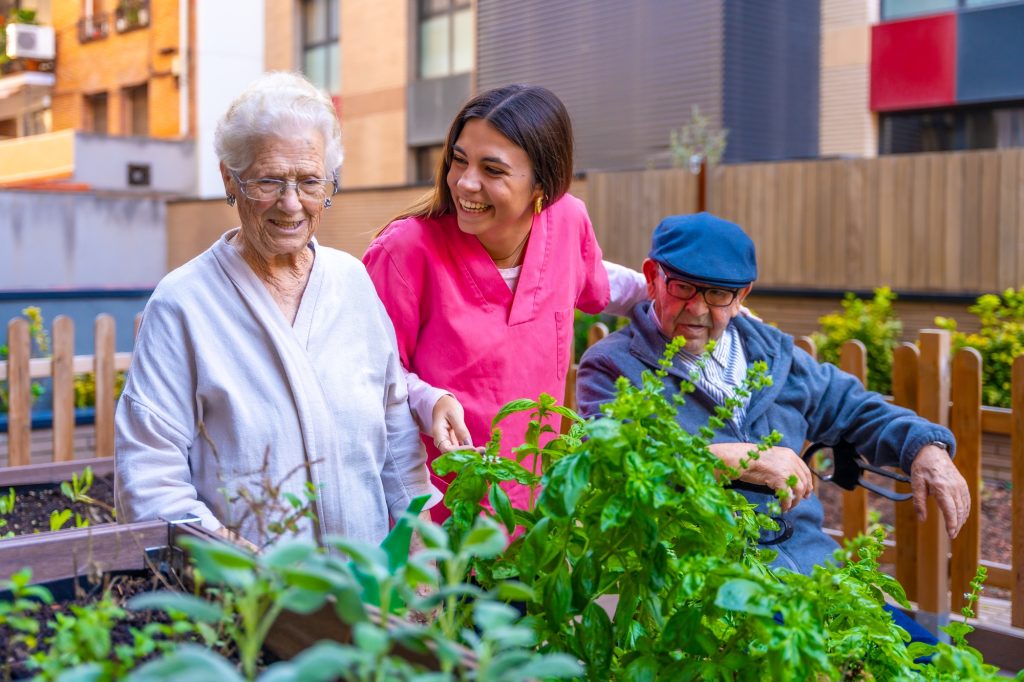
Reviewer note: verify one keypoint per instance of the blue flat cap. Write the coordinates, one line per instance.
(706, 249)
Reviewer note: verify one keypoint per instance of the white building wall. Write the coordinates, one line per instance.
(68, 240)
(102, 163)
(229, 56)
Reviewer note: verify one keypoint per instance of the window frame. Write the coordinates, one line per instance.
(332, 38)
(425, 12)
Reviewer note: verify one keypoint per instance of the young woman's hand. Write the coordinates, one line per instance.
(449, 429)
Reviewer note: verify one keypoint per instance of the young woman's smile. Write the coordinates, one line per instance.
(491, 182)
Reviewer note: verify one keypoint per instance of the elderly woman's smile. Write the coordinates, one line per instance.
(238, 397)
(279, 227)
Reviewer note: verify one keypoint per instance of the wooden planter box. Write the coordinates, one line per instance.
(53, 472)
(114, 548)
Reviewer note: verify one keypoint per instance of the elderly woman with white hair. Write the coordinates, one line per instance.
(268, 361)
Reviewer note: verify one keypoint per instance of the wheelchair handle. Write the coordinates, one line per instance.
(849, 469)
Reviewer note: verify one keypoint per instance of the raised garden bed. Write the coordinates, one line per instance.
(79, 564)
(38, 494)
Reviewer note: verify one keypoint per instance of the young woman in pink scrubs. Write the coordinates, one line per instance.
(481, 278)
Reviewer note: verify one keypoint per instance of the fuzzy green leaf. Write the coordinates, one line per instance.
(193, 607)
(521, 405)
(187, 662)
(743, 595)
(502, 507)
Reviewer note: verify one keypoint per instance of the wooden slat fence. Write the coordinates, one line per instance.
(20, 370)
(945, 222)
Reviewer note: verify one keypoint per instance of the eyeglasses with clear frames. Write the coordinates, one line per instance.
(265, 189)
(715, 297)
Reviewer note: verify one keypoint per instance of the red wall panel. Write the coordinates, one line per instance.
(913, 63)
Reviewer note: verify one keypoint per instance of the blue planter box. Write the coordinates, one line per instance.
(43, 419)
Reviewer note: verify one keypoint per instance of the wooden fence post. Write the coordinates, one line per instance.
(965, 422)
(853, 359)
(104, 369)
(932, 541)
(597, 331)
(905, 361)
(63, 374)
(806, 343)
(1017, 503)
(19, 393)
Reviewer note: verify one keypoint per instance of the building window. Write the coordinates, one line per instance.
(136, 110)
(36, 122)
(96, 113)
(427, 160)
(446, 38)
(131, 15)
(898, 9)
(952, 130)
(93, 24)
(321, 46)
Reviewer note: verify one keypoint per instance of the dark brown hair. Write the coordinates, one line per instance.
(532, 118)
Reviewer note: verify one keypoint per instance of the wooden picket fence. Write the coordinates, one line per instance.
(927, 379)
(21, 369)
(947, 389)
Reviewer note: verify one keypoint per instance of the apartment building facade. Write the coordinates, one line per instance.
(397, 69)
(628, 73)
(134, 91)
(906, 76)
(946, 75)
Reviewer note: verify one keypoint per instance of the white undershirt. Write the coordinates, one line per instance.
(511, 276)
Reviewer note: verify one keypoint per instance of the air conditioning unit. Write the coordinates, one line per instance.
(28, 41)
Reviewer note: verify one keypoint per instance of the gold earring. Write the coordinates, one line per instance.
(538, 205)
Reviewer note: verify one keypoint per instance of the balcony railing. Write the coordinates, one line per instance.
(95, 27)
(25, 65)
(131, 15)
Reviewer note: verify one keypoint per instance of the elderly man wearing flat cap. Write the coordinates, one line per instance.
(699, 271)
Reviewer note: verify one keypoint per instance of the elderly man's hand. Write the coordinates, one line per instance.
(933, 473)
(772, 469)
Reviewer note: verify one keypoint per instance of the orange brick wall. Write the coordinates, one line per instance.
(281, 24)
(119, 61)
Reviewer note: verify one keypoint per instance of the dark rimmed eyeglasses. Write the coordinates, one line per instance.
(265, 189)
(715, 297)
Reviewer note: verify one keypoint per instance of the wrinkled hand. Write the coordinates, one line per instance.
(449, 429)
(933, 473)
(772, 469)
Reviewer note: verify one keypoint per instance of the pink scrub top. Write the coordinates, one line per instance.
(461, 329)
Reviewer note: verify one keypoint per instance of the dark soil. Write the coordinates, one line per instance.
(994, 508)
(32, 508)
(34, 504)
(121, 588)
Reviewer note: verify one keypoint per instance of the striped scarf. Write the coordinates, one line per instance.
(724, 371)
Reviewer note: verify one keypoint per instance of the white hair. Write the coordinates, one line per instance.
(275, 104)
